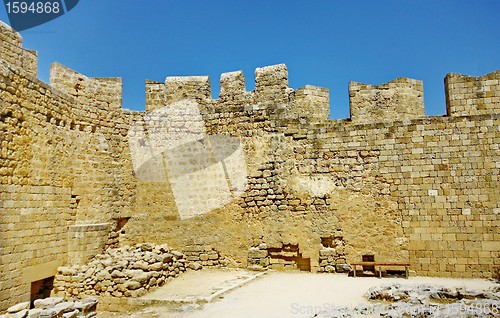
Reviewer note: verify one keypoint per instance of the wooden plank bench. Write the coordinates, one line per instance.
(406, 265)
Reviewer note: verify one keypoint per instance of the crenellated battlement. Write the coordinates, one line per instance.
(399, 99)
(178, 88)
(388, 182)
(271, 86)
(104, 91)
(396, 100)
(11, 50)
(232, 85)
(271, 83)
(470, 95)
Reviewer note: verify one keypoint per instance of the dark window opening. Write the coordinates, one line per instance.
(368, 258)
(41, 289)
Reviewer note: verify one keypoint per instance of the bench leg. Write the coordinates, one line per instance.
(380, 271)
(354, 275)
(406, 272)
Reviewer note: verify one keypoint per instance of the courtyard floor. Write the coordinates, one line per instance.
(239, 293)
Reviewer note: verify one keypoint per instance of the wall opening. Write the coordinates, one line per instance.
(120, 223)
(41, 289)
(288, 258)
(370, 270)
(117, 232)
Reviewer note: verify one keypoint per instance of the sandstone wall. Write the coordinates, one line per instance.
(438, 176)
(155, 95)
(86, 241)
(469, 95)
(399, 99)
(271, 87)
(60, 165)
(417, 189)
(105, 92)
(394, 184)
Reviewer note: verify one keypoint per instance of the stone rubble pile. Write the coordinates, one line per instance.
(422, 300)
(122, 272)
(423, 293)
(53, 308)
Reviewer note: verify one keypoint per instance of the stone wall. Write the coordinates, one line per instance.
(436, 177)
(105, 92)
(271, 87)
(12, 51)
(204, 255)
(469, 95)
(127, 271)
(393, 183)
(380, 184)
(30, 61)
(54, 307)
(399, 99)
(86, 241)
(311, 102)
(155, 95)
(60, 165)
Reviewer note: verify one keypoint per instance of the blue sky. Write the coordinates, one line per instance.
(324, 43)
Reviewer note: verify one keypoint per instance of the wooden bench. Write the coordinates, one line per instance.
(406, 265)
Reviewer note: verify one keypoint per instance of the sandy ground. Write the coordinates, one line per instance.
(193, 286)
(280, 294)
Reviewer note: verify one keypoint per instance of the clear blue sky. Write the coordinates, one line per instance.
(326, 43)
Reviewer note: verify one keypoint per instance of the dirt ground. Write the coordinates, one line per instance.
(273, 294)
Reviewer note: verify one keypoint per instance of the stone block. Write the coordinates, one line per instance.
(18, 307)
(257, 253)
(195, 266)
(34, 313)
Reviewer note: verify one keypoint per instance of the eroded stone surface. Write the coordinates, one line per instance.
(121, 272)
(387, 182)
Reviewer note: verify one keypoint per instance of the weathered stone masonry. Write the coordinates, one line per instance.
(388, 182)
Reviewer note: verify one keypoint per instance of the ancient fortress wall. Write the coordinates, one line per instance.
(60, 167)
(388, 182)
